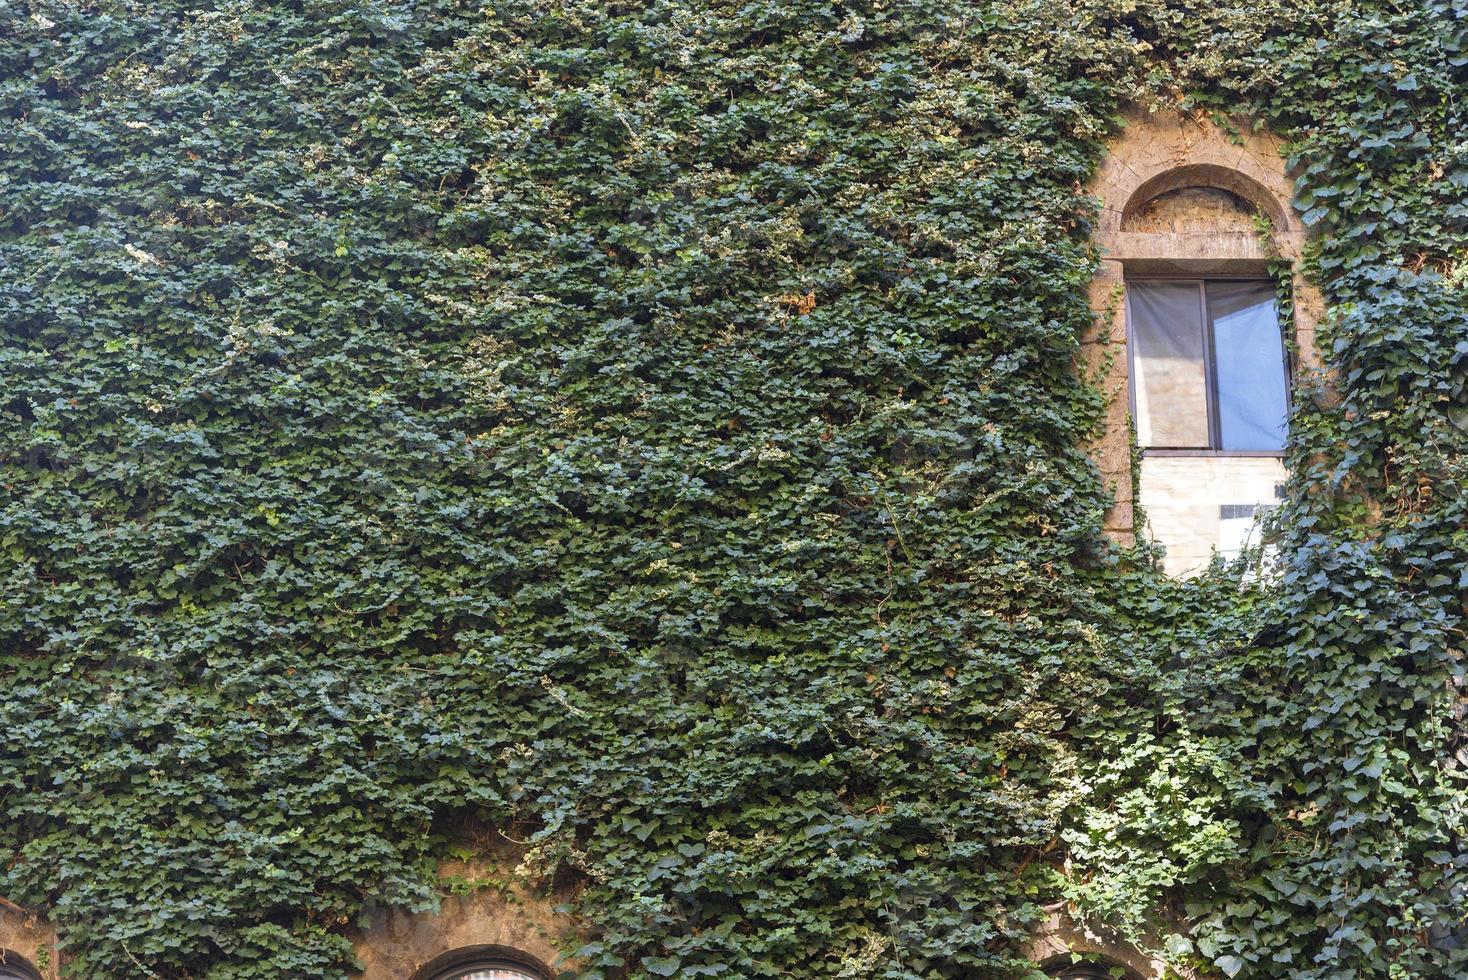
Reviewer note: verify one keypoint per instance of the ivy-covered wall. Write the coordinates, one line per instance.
(657, 426)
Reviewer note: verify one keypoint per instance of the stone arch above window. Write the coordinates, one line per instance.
(1205, 198)
(1169, 159)
(1072, 949)
(506, 926)
(1201, 198)
(1190, 210)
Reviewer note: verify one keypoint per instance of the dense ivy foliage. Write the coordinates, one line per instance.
(658, 425)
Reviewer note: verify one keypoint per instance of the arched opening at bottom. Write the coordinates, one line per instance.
(485, 962)
(1094, 968)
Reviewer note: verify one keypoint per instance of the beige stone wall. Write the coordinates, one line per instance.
(1103, 352)
(503, 912)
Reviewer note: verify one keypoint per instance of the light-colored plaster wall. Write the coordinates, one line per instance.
(1183, 494)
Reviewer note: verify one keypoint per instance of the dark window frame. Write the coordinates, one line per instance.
(1210, 373)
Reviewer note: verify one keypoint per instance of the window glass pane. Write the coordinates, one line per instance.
(1249, 355)
(1169, 381)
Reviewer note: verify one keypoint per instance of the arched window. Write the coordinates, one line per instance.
(1194, 227)
(485, 963)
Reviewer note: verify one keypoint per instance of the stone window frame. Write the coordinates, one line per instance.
(1156, 153)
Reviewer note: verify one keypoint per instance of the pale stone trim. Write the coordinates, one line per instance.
(1052, 944)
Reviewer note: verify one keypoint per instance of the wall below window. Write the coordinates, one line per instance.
(1199, 505)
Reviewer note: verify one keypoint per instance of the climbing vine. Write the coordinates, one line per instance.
(657, 426)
